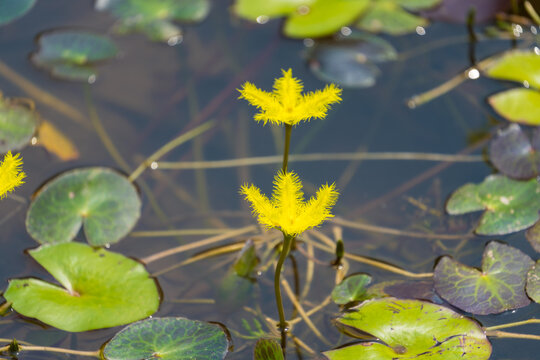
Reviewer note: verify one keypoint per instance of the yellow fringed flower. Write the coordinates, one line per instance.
(285, 105)
(287, 210)
(11, 175)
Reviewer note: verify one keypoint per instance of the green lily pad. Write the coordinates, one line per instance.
(100, 289)
(510, 205)
(154, 17)
(18, 124)
(72, 54)
(168, 338)
(533, 236)
(520, 66)
(498, 287)
(100, 200)
(389, 16)
(252, 9)
(13, 9)
(533, 282)
(323, 17)
(518, 105)
(514, 154)
(352, 288)
(268, 349)
(411, 329)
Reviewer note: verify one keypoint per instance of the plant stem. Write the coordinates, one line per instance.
(504, 334)
(287, 241)
(95, 353)
(512, 324)
(288, 130)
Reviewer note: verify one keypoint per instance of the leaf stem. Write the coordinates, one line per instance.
(96, 353)
(504, 334)
(512, 324)
(287, 241)
(288, 131)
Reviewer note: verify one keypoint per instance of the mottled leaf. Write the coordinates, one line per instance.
(521, 66)
(533, 282)
(268, 349)
(352, 288)
(72, 54)
(13, 9)
(100, 200)
(498, 287)
(411, 329)
(514, 154)
(18, 123)
(99, 289)
(405, 289)
(533, 236)
(510, 205)
(168, 338)
(518, 105)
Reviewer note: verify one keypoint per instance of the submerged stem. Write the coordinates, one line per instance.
(287, 241)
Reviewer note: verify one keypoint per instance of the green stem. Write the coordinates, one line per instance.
(288, 130)
(287, 241)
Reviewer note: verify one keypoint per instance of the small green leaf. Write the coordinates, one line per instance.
(100, 289)
(324, 17)
(268, 349)
(13, 9)
(498, 287)
(168, 338)
(246, 261)
(352, 288)
(510, 205)
(252, 9)
(517, 66)
(411, 329)
(72, 54)
(100, 200)
(518, 105)
(533, 282)
(18, 124)
(389, 17)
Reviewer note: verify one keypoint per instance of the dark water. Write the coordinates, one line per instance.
(153, 92)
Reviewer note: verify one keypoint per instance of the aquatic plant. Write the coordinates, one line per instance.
(11, 175)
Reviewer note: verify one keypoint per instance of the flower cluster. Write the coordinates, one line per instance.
(11, 175)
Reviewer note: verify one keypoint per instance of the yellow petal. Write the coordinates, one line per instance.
(263, 100)
(287, 197)
(316, 104)
(260, 204)
(10, 174)
(287, 89)
(318, 208)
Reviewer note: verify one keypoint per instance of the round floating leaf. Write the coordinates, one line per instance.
(14, 9)
(533, 236)
(268, 349)
(457, 10)
(71, 54)
(252, 9)
(500, 286)
(100, 289)
(405, 289)
(168, 339)
(411, 329)
(100, 200)
(514, 154)
(518, 105)
(510, 205)
(533, 282)
(153, 17)
(521, 66)
(352, 288)
(17, 125)
(323, 17)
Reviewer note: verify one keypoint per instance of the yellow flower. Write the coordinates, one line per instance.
(10, 174)
(285, 105)
(287, 210)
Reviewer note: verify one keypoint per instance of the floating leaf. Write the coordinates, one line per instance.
(323, 17)
(253, 9)
(411, 329)
(18, 124)
(498, 287)
(153, 17)
(352, 288)
(350, 62)
(13, 9)
(533, 282)
(457, 10)
(72, 54)
(100, 200)
(521, 66)
(168, 338)
(389, 16)
(518, 105)
(268, 349)
(510, 205)
(246, 261)
(405, 289)
(514, 154)
(533, 236)
(100, 289)
(56, 142)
